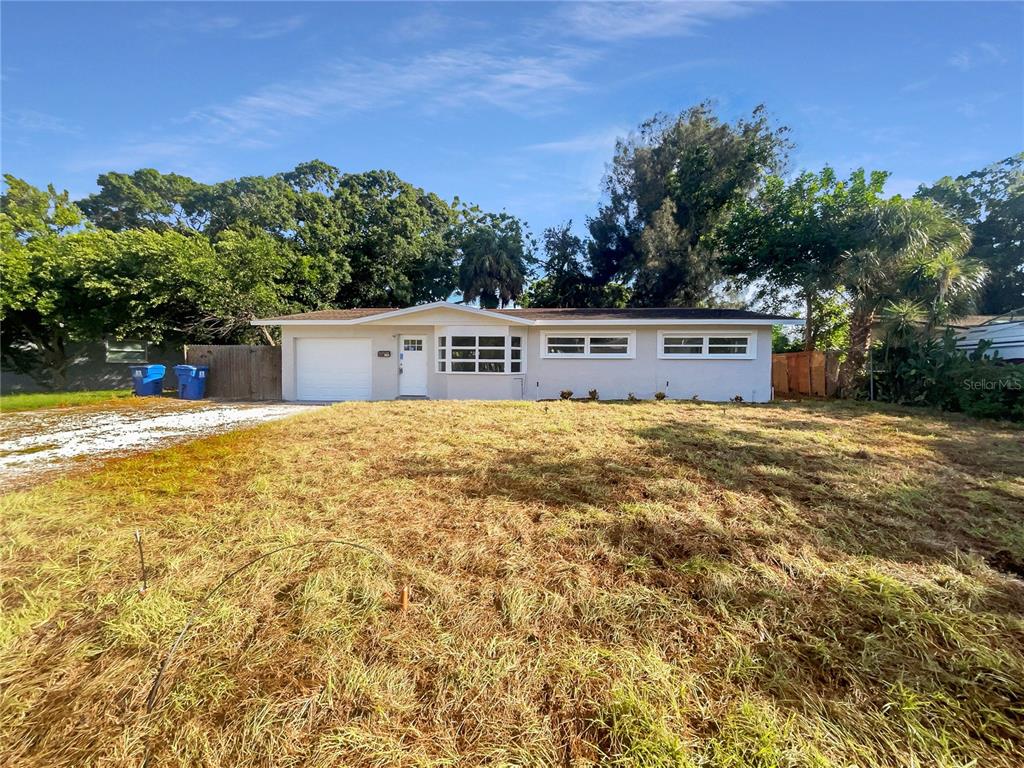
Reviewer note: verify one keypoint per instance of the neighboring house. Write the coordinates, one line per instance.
(1005, 334)
(454, 352)
(97, 365)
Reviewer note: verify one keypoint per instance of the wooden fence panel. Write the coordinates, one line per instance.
(239, 371)
(805, 373)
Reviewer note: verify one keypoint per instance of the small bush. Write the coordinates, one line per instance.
(659, 395)
(921, 370)
(737, 399)
(592, 394)
(632, 398)
(566, 394)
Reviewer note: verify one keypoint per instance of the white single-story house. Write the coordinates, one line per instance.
(456, 352)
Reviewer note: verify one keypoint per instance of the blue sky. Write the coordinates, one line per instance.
(509, 106)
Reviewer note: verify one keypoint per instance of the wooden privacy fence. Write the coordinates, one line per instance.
(805, 373)
(239, 371)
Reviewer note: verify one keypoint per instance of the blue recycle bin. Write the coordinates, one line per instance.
(191, 381)
(148, 379)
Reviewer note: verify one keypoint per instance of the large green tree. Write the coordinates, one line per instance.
(566, 281)
(792, 237)
(399, 242)
(991, 202)
(147, 199)
(821, 237)
(669, 187)
(77, 283)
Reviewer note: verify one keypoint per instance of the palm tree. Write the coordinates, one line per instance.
(911, 249)
(495, 260)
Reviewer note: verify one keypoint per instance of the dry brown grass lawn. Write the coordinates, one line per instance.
(656, 584)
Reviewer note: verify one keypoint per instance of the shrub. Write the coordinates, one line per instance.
(737, 398)
(592, 394)
(922, 370)
(659, 395)
(566, 394)
(632, 398)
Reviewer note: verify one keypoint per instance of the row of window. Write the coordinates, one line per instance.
(501, 354)
(703, 346)
(480, 354)
(670, 345)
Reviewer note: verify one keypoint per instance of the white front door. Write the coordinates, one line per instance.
(412, 366)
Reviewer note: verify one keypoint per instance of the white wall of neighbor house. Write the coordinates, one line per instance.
(542, 377)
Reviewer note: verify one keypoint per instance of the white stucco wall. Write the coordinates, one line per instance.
(615, 378)
(544, 378)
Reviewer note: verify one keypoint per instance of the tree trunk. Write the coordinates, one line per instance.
(59, 363)
(267, 336)
(50, 367)
(851, 372)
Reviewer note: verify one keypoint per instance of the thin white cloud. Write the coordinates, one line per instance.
(33, 121)
(273, 29)
(190, 20)
(450, 79)
(216, 23)
(993, 52)
(418, 27)
(611, 22)
(455, 79)
(979, 54)
(961, 60)
(916, 86)
(599, 141)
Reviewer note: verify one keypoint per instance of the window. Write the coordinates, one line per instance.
(412, 345)
(727, 345)
(686, 345)
(609, 345)
(480, 354)
(127, 351)
(588, 346)
(683, 345)
(516, 355)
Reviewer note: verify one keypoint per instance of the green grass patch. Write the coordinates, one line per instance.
(38, 400)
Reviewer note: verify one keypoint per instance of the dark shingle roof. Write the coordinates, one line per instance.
(335, 314)
(640, 313)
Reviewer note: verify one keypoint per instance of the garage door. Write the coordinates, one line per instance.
(333, 369)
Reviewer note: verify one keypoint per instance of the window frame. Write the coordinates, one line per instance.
(117, 347)
(507, 360)
(705, 337)
(586, 354)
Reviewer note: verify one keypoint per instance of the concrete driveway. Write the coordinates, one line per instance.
(35, 445)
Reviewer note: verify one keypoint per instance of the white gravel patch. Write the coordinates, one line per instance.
(47, 440)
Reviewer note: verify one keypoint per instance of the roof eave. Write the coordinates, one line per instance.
(555, 323)
(674, 321)
(385, 316)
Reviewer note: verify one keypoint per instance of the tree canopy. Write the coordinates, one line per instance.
(670, 185)
(696, 211)
(991, 202)
(157, 257)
